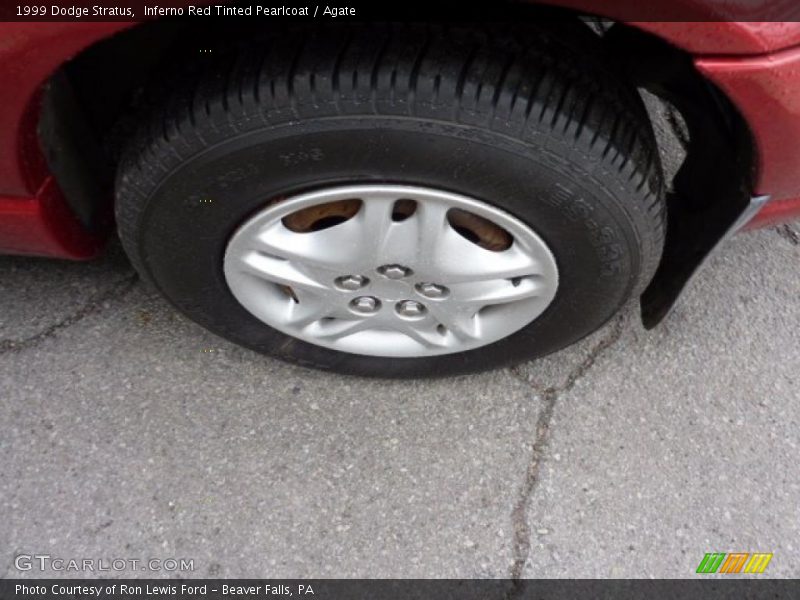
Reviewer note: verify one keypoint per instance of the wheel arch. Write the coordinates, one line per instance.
(46, 48)
(124, 54)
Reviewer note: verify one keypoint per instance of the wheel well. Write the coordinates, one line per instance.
(91, 106)
(713, 185)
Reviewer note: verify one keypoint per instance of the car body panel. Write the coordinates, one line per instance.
(44, 225)
(35, 219)
(766, 90)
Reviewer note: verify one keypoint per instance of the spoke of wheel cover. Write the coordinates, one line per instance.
(423, 332)
(278, 271)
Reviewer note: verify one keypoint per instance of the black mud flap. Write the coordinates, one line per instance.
(694, 241)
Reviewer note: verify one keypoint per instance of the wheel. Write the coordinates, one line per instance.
(398, 201)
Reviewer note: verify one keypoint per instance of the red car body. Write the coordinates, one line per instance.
(756, 64)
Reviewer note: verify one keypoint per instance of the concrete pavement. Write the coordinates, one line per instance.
(128, 432)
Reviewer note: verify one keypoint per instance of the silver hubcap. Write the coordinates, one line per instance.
(390, 270)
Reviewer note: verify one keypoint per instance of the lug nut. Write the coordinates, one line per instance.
(410, 308)
(351, 283)
(432, 290)
(366, 305)
(394, 271)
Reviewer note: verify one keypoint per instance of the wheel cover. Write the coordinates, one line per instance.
(390, 270)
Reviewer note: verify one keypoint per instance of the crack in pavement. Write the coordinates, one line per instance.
(788, 233)
(550, 395)
(93, 306)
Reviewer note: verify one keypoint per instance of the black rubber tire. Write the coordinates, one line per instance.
(534, 120)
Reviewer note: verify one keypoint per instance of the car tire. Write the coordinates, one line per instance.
(531, 125)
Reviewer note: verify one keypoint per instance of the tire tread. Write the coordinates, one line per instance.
(474, 77)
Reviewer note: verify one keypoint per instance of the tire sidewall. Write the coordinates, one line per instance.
(565, 194)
